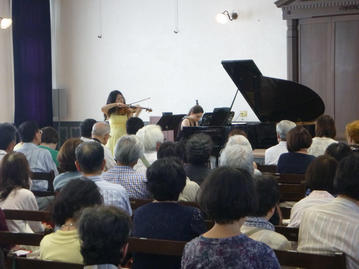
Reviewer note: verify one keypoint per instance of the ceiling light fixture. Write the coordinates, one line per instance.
(225, 17)
(5, 23)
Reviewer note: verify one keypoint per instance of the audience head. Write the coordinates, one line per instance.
(237, 131)
(283, 127)
(14, 173)
(104, 233)
(90, 158)
(352, 132)
(86, 127)
(134, 124)
(66, 156)
(198, 149)
(30, 132)
(166, 179)
(75, 196)
(7, 137)
(268, 196)
(114, 97)
(228, 195)
(239, 140)
(346, 181)
(298, 138)
(338, 151)
(325, 127)
(170, 149)
(151, 136)
(101, 131)
(237, 156)
(320, 173)
(196, 112)
(49, 136)
(128, 150)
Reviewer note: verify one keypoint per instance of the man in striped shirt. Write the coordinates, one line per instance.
(334, 226)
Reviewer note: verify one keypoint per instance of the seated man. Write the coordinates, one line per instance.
(272, 154)
(40, 160)
(237, 156)
(127, 152)
(101, 133)
(104, 233)
(49, 140)
(7, 139)
(151, 137)
(86, 128)
(334, 226)
(258, 226)
(90, 162)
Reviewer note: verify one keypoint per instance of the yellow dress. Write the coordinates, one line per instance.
(118, 129)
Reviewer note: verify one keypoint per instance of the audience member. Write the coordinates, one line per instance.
(226, 197)
(104, 233)
(127, 152)
(7, 139)
(237, 156)
(170, 149)
(239, 140)
(338, 151)
(90, 162)
(237, 131)
(258, 226)
(165, 218)
(319, 179)
(325, 133)
(101, 133)
(272, 154)
(193, 117)
(15, 193)
(352, 133)
(64, 244)
(334, 226)
(133, 124)
(40, 160)
(297, 159)
(198, 150)
(151, 137)
(86, 129)
(49, 140)
(67, 167)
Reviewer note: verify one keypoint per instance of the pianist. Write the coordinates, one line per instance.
(193, 117)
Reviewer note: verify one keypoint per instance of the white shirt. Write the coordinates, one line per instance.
(2, 154)
(332, 227)
(319, 145)
(313, 199)
(151, 158)
(272, 154)
(189, 192)
(110, 161)
(21, 199)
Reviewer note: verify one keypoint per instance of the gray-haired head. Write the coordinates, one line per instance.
(100, 129)
(283, 127)
(237, 156)
(151, 136)
(128, 150)
(239, 140)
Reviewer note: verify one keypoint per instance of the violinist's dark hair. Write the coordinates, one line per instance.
(112, 99)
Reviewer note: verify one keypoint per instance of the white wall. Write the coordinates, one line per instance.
(140, 55)
(6, 70)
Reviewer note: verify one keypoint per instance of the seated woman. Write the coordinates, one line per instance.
(258, 226)
(165, 218)
(338, 151)
(67, 167)
(194, 116)
(319, 179)
(64, 244)
(15, 193)
(227, 198)
(352, 133)
(324, 135)
(297, 159)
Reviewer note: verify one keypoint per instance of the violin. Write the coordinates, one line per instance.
(127, 109)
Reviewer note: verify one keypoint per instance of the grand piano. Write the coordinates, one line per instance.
(271, 99)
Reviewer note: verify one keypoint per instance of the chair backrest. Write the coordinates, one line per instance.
(291, 192)
(30, 239)
(49, 177)
(12, 214)
(285, 211)
(289, 232)
(310, 260)
(24, 263)
(267, 168)
(136, 203)
(156, 246)
(290, 178)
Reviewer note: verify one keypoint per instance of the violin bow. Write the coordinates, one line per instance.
(145, 99)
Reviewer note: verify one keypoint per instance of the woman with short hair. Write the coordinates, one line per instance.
(227, 197)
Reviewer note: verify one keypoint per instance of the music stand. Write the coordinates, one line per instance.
(171, 122)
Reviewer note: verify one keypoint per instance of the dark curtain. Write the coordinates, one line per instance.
(32, 61)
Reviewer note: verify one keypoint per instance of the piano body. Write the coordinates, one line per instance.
(271, 99)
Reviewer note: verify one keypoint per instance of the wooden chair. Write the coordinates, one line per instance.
(49, 177)
(267, 168)
(12, 214)
(136, 203)
(290, 233)
(285, 212)
(24, 263)
(156, 246)
(30, 239)
(291, 192)
(291, 178)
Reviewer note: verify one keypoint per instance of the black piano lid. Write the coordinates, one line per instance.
(273, 99)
